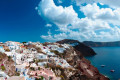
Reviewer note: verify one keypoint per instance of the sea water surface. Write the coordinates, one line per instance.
(109, 56)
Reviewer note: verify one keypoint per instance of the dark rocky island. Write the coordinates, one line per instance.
(102, 44)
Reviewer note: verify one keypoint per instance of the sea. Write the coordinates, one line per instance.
(110, 57)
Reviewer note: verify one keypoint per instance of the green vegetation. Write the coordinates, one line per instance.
(9, 57)
(38, 68)
(46, 66)
(17, 74)
(62, 75)
(41, 78)
(54, 51)
(45, 44)
(7, 50)
(24, 42)
(57, 53)
(3, 67)
(36, 61)
(32, 68)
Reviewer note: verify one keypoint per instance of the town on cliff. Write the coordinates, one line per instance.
(46, 61)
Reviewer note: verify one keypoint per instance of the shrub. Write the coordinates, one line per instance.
(7, 50)
(38, 68)
(42, 77)
(3, 67)
(17, 74)
(9, 57)
(32, 68)
(46, 66)
(24, 42)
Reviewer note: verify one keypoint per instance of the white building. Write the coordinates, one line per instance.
(42, 63)
(2, 49)
(2, 74)
(60, 50)
(41, 56)
(9, 54)
(20, 68)
(13, 45)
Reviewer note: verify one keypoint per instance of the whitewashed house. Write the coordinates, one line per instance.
(41, 56)
(33, 50)
(4, 75)
(20, 68)
(9, 54)
(60, 50)
(50, 53)
(29, 60)
(2, 49)
(42, 63)
(66, 45)
(13, 45)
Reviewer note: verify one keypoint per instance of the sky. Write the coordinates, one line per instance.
(53, 20)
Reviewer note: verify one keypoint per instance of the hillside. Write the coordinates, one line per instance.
(85, 50)
(83, 67)
(49, 61)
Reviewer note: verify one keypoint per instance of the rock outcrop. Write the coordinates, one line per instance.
(83, 68)
(85, 50)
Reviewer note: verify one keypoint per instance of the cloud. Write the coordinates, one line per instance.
(62, 17)
(112, 35)
(105, 14)
(60, 1)
(86, 24)
(111, 3)
(55, 37)
(48, 25)
(95, 26)
(56, 14)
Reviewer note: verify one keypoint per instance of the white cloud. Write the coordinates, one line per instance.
(60, 1)
(86, 24)
(55, 37)
(73, 27)
(111, 3)
(105, 14)
(79, 2)
(56, 14)
(65, 16)
(48, 25)
(112, 35)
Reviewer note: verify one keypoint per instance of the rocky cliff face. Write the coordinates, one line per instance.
(83, 70)
(85, 50)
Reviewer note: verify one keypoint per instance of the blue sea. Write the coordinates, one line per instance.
(109, 56)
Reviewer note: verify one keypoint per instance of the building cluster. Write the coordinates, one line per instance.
(32, 58)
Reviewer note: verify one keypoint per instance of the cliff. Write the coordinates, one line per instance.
(102, 44)
(83, 70)
(85, 50)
